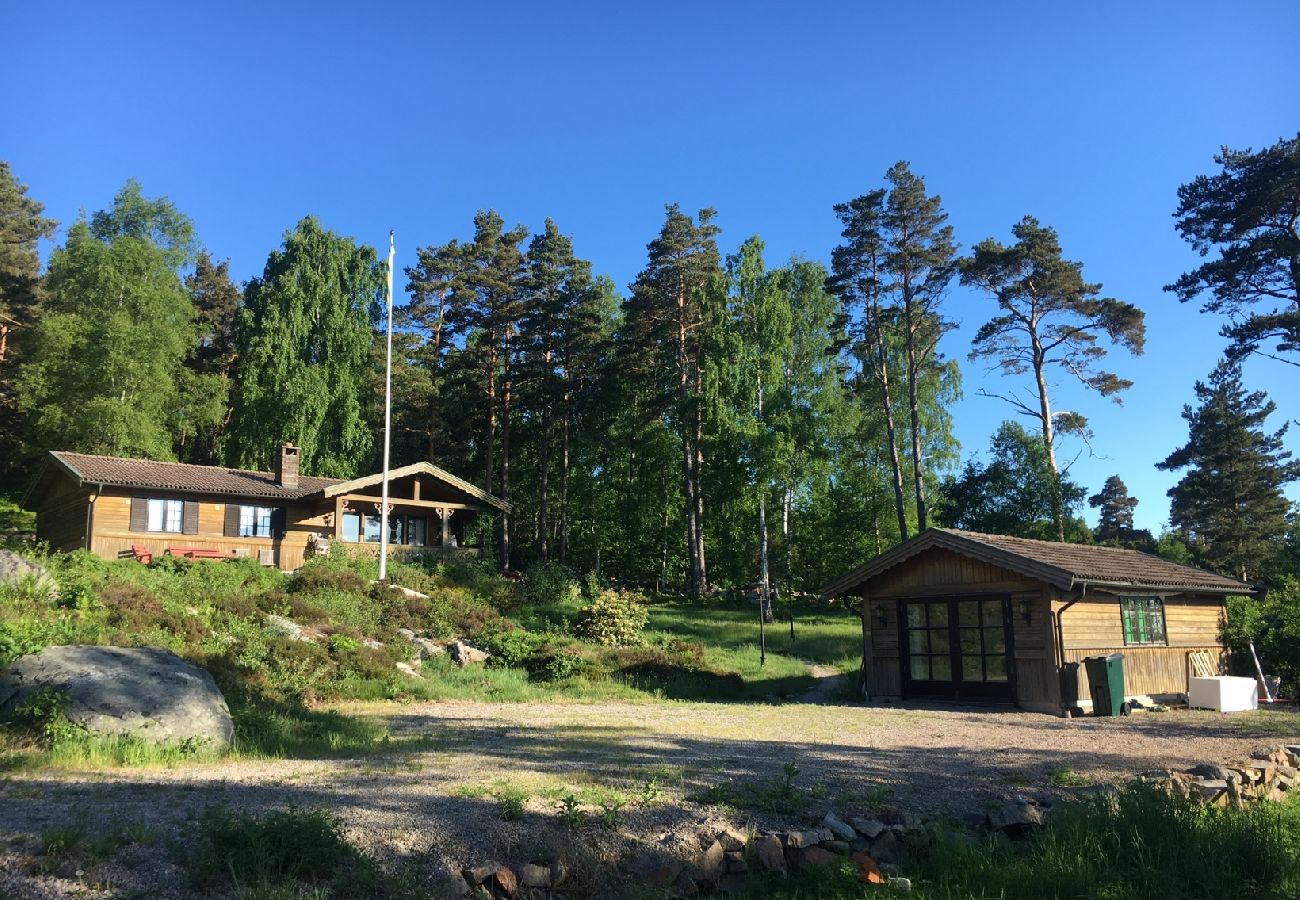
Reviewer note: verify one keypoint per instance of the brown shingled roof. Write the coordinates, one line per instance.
(1067, 566)
(145, 473)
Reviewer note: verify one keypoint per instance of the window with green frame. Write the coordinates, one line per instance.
(1144, 620)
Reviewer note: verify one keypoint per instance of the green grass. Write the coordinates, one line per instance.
(14, 519)
(1140, 845)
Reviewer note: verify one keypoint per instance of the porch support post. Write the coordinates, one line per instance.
(446, 525)
(338, 518)
(867, 658)
(415, 488)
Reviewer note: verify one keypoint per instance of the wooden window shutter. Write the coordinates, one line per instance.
(139, 514)
(190, 519)
(279, 522)
(232, 520)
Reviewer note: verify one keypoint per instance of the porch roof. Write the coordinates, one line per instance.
(419, 468)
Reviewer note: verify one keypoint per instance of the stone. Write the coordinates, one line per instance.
(464, 654)
(839, 847)
(1015, 816)
(455, 888)
(709, 866)
(1288, 771)
(14, 570)
(973, 821)
(534, 876)
(1209, 788)
(799, 839)
(731, 839)
(868, 871)
(476, 875)
(144, 692)
(814, 858)
(427, 649)
(899, 884)
(408, 670)
(824, 835)
(840, 829)
(504, 881)
(770, 854)
(372, 643)
(870, 828)
(685, 886)
(885, 848)
(734, 861)
(1209, 770)
(285, 628)
(559, 873)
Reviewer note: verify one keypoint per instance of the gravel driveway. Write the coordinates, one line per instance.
(432, 802)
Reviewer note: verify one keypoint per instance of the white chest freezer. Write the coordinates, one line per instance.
(1225, 693)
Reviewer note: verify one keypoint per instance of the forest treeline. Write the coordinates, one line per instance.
(723, 418)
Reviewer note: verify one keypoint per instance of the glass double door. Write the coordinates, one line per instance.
(957, 647)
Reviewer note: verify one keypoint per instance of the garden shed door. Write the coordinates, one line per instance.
(957, 648)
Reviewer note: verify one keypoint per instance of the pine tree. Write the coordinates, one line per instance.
(1250, 213)
(205, 410)
(1115, 516)
(304, 338)
(1230, 502)
(22, 227)
(665, 344)
(1048, 317)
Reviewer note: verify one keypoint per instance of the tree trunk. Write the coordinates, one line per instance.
(544, 465)
(563, 536)
(703, 579)
(882, 376)
(506, 385)
(1045, 414)
(913, 367)
(688, 452)
(489, 457)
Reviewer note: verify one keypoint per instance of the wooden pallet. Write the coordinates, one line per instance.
(1202, 664)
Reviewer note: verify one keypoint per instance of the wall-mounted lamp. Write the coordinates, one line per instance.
(1026, 612)
(880, 619)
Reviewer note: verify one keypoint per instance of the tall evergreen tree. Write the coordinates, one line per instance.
(1249, 213)
(920, 262)
(665, 341)
(304, 339)
(1230, 502)
(858, 279)
(206, 384)
(1115, 512)
(107, 354)
(1049, 317)
(22, 227)
(430, 284)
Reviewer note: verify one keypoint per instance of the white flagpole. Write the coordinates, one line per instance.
(388, 418)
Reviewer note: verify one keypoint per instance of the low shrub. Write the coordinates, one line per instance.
(510, 647)
(550, 584)
(559, 664)
(613, 619)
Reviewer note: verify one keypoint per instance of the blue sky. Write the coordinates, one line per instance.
(413, 115)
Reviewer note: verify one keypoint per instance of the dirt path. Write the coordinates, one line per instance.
(827, 688)
(434, 804)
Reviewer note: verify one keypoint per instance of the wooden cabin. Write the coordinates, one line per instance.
(961, 616)
(118, 508)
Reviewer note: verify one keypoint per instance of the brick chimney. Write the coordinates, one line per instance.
(286, 467)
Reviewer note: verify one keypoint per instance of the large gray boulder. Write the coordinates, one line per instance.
(14, 569)
(142, 691)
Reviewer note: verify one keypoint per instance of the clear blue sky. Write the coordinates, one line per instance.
(413, 115)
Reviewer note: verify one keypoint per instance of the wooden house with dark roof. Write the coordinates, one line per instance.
(956, 615)
(117, 507)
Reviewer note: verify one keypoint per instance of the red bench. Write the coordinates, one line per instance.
(142, 553)
(201, 553)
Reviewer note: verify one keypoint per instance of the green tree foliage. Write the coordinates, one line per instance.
(206, 383)
(1272, 623)
(304, 338)
(1049, 318)
(1230, 503)
(22, 227)
(106, 364)
(665, 344)
(1017, 493)
(1249, 215)
(1115, 517)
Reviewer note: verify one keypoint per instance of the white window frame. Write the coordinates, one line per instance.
(255, 521)
(165, 516)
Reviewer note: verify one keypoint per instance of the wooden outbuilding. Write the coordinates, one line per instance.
(116, 507)
(962, 616)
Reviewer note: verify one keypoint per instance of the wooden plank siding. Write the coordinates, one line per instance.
(940, 572)
(1092, 627)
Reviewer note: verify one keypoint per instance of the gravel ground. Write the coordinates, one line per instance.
(431, 803)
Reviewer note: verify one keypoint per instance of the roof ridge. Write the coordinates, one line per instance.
(173, 462)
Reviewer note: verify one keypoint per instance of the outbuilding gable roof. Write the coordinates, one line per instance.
(419, 468)
(1065, 566)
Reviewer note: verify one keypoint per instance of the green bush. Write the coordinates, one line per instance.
(550, 584)
(613, 618)
(510, 647)
(561, 664)
(1274, 625)
(43, 716)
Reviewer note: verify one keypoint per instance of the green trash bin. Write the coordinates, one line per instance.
(1106, 684)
